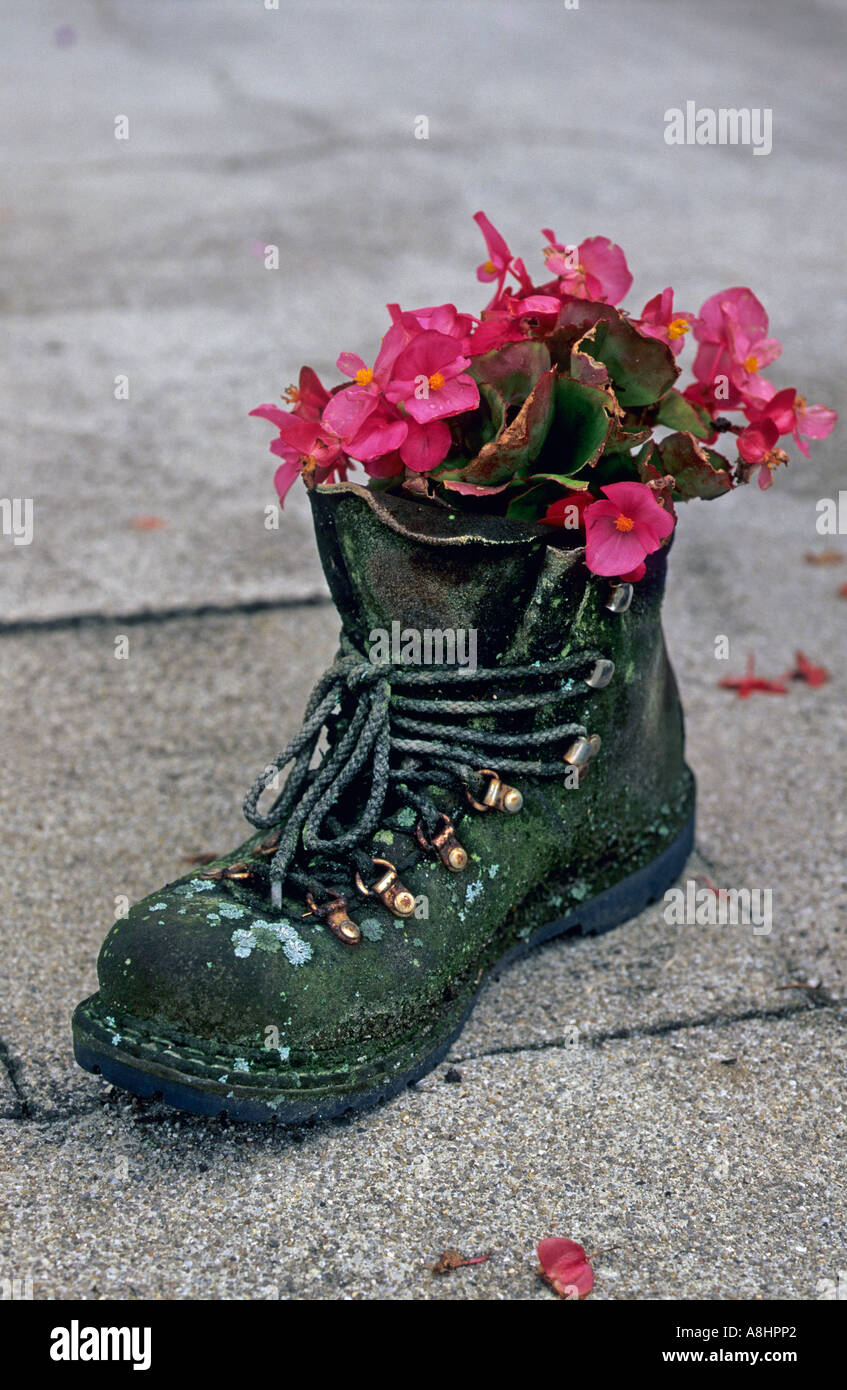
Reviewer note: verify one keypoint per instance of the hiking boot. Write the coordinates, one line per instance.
(440, 817)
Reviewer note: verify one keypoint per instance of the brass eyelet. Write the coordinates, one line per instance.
(391, 892)
(445, 844)
(498, 796)
(334, 914)
(581, 752)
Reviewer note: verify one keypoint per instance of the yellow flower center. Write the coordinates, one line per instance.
(490, 268)
(751, 364)
(799, 402)
(624, 523)
(291, 394)
(364, 376)
(677, 327)
(436, 381)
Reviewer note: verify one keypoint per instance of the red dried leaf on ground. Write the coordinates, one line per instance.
(147, 523)
(824, 557)
(451, 1259)
(805, 670)
(746, 684)
(843, 591)
(564, 1265)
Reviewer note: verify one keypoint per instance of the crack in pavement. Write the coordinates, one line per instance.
(12, 1068)
(153, 616)
(818, 1001)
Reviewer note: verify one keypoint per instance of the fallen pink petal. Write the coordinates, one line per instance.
(564, 1265)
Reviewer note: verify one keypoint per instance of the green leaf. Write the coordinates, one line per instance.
(519, 443)
(529, 506)
(642, 369)
(494, 415)
(513, 370)
(471, 431)
(580, 426)
(696, 471)
(577, 319)
(585, 368)
(614, 466)
(679, 414)
(569, 484)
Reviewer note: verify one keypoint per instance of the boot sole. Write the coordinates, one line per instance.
(253, 1104)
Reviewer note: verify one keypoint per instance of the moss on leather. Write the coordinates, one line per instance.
(196, 974)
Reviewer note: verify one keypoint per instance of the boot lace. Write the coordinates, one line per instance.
(385, 725)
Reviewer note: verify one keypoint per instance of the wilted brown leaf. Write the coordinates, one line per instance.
(451, 1259)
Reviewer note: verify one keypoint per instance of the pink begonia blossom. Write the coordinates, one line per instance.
(499, 255)
(513, 319)
(811, 422)
(624, 527)
(348, 409)
(304, 446)
(425, 446)
(757, 448)
(757, 441)
(443, 318)
(660, 320)
(382, 432)
(595, 270)
(793, 416)
(430, 380)
(732, 331)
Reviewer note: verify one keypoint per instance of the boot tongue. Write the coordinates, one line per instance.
(394, 564)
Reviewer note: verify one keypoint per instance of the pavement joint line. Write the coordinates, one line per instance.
(819, 1002)
(155, 616)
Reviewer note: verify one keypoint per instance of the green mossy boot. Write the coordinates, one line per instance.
(458, 815)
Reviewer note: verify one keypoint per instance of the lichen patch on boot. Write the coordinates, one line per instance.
(272, 937)
(372, 929)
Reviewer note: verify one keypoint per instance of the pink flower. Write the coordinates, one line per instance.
(348, 409)
(425, 446)
(811, 422)
(382, 432)
(621, 530)
(429, 379)
(496, 330)
(731, 329)
(443, 318)
(304, 446)
(595, 270)
(499, 255)
(756, 446)
(660, 320)
(757, 441)
(513, 319)
(791, 413)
